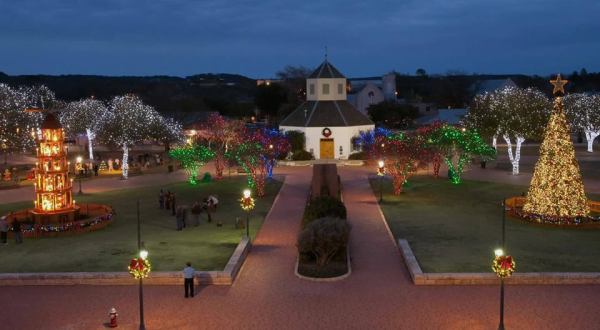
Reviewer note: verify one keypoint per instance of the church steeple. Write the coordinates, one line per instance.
(326, 83)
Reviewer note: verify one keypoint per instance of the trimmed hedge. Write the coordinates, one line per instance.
(321, 207)
(361, 155)
(302, 155)
(324, 239)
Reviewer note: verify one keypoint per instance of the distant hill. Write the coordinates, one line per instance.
(203, 92)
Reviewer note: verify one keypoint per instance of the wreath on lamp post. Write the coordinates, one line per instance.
(139, 268)
(247, 204)
(503, 266)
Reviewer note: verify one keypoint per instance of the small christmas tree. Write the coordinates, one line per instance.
(103, 167)
(556, 188)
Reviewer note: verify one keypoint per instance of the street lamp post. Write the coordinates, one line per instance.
(503, 266)
(247, 204)
(79, 164)
(381, 174)
(143, 254)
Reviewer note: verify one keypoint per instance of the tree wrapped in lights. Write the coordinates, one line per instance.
(583, 111)
(192, 157)
(85, 116)
(402, 154)
(556, 188)
(128, 122)
(513, 113)
(274, 144)
(221, 134)
(435, 154)
(166, 130)
(15, 124)
(458, 146)
(250, 156)
(366, 139)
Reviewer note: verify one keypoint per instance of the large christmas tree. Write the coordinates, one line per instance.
(556, 188)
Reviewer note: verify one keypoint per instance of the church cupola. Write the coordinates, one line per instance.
(326, 83)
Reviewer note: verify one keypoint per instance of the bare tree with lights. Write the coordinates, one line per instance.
(129, 121)
(583, 111)
(519, 113)
(85, 116)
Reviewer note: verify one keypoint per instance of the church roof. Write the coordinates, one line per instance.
(326, 114)
(326, 70)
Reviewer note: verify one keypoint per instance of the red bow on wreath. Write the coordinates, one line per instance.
(506, 262)
(137, 264)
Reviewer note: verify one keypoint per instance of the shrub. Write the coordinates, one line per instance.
(323, 206)
(323, 239)
(297, 140)
(302, 155)
(361, 155)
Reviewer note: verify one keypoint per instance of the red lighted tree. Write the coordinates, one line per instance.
(402, 154)
(434, 154)
(250, 156)
(221, 134)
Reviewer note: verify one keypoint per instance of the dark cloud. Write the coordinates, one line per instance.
(257, 38)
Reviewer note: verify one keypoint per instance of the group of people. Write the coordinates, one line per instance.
(167, 200)
(16, 228)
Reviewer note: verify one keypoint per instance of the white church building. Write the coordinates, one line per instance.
(327, 120)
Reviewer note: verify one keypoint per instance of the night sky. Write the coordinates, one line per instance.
(257, 38)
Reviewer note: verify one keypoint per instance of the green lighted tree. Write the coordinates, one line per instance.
(192, 157)
(249, 155)
(458, 146)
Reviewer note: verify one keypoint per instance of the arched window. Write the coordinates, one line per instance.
(371, 97)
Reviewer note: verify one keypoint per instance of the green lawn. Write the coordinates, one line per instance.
(455, 228)
(207, 246)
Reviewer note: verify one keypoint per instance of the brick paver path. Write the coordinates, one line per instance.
(267, 295)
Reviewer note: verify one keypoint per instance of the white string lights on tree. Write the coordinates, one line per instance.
(515, 114)
(583, 111)
(129, 121)
(84, 116)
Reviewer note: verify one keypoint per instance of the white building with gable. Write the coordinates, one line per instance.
(327, 120)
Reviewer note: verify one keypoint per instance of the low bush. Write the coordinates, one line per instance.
(323, 239)
(323, 206)
(302, 155)
(361, 155)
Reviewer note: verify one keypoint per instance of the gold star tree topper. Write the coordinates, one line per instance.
(559, 85)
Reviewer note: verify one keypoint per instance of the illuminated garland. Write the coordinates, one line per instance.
(139, 268)
(69, 226)
(503, 266)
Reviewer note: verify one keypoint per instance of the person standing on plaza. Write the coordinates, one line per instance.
(3, 230)
(161, 199)
(188, 279)
(17, 231)
(173, 203)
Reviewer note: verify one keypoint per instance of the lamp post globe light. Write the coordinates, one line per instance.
(247, 204)
(381, 174)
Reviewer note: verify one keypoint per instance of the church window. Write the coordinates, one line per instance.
(340, 89)
(371, 97)
(311, 89)
(325, 89)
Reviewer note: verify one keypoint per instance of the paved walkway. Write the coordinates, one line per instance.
(267, 295)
